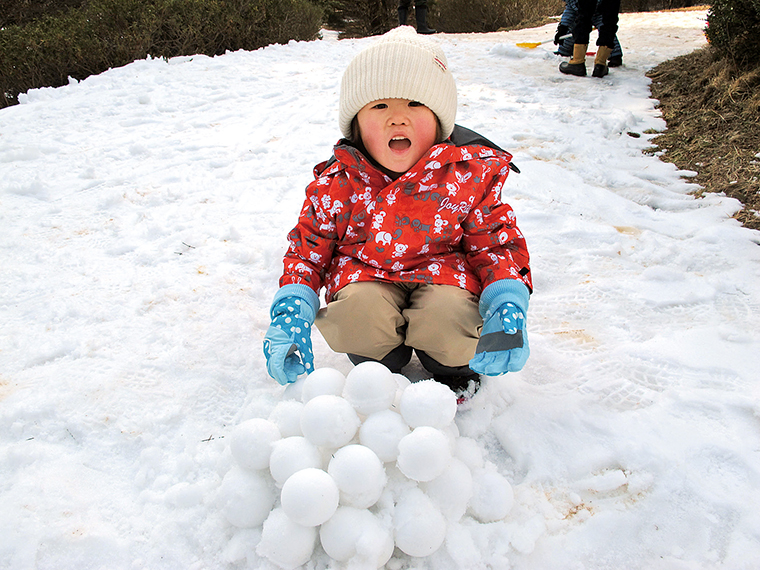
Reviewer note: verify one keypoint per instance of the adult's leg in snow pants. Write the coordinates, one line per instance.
(403, 10)
(406, 3)
(609, 10)
(372, 319)
(420, 15)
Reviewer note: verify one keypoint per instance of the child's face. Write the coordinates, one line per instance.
(397, 132)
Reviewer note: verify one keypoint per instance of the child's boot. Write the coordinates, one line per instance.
(577, 63)
(462, 380)
(600, 62)
(420, 13)
(394, 361)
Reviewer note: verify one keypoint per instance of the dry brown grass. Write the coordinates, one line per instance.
(713, 116)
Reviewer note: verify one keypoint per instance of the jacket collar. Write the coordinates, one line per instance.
(463, 144)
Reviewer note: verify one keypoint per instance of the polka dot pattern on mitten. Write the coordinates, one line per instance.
(510, 317)
(287, 317)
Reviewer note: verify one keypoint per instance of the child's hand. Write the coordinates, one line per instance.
(292, 312)
(503, 345)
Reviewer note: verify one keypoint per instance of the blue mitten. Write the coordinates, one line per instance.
(293, 310)
(503, 345)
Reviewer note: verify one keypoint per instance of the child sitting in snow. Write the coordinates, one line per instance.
(405, 229)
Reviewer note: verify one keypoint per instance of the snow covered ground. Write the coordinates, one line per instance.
(143, 216)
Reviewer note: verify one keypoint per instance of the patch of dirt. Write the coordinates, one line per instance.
(712, 111)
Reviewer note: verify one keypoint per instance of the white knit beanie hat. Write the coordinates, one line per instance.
(400, 65)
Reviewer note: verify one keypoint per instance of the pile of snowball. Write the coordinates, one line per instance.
(362, 464)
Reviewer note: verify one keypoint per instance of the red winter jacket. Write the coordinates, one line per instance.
(442, 222)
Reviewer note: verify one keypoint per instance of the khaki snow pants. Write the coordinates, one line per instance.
(372, 318)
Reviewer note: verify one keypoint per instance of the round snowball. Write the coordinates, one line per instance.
(424, 454)
(329, 421)
(357, 534)
(251, 443)
(321, 382)
(359, 474)
(370, 387)
(419, 527)
(286, 415)
(428, 403)
(286, 543)
(245, 497)
(451, 490)
(403, 383)
(382, 432)
(309, 497)
(492, 497)
(290, 455)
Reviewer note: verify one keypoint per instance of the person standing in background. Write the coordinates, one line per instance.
(609, 10)
(566, 23)
(420, 14)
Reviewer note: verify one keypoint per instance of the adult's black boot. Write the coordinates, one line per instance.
(420, 13)
(615, 61)
(577, 64)
(402, 12)
(600, 62)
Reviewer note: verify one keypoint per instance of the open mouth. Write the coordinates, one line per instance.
(399, 143)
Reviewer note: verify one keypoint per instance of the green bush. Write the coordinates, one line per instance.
(465, 16)
(652, 5)
(732, 29)
(333, 11)
(76, 43)
(20, 12)
(359, 18)
(462, 16)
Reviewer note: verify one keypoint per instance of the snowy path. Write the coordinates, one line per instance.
(144, 214)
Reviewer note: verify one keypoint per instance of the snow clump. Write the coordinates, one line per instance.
(245, 497)
(420, 527)
(428, 403)
(285, 542)
(358, 465)
(359, 535)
